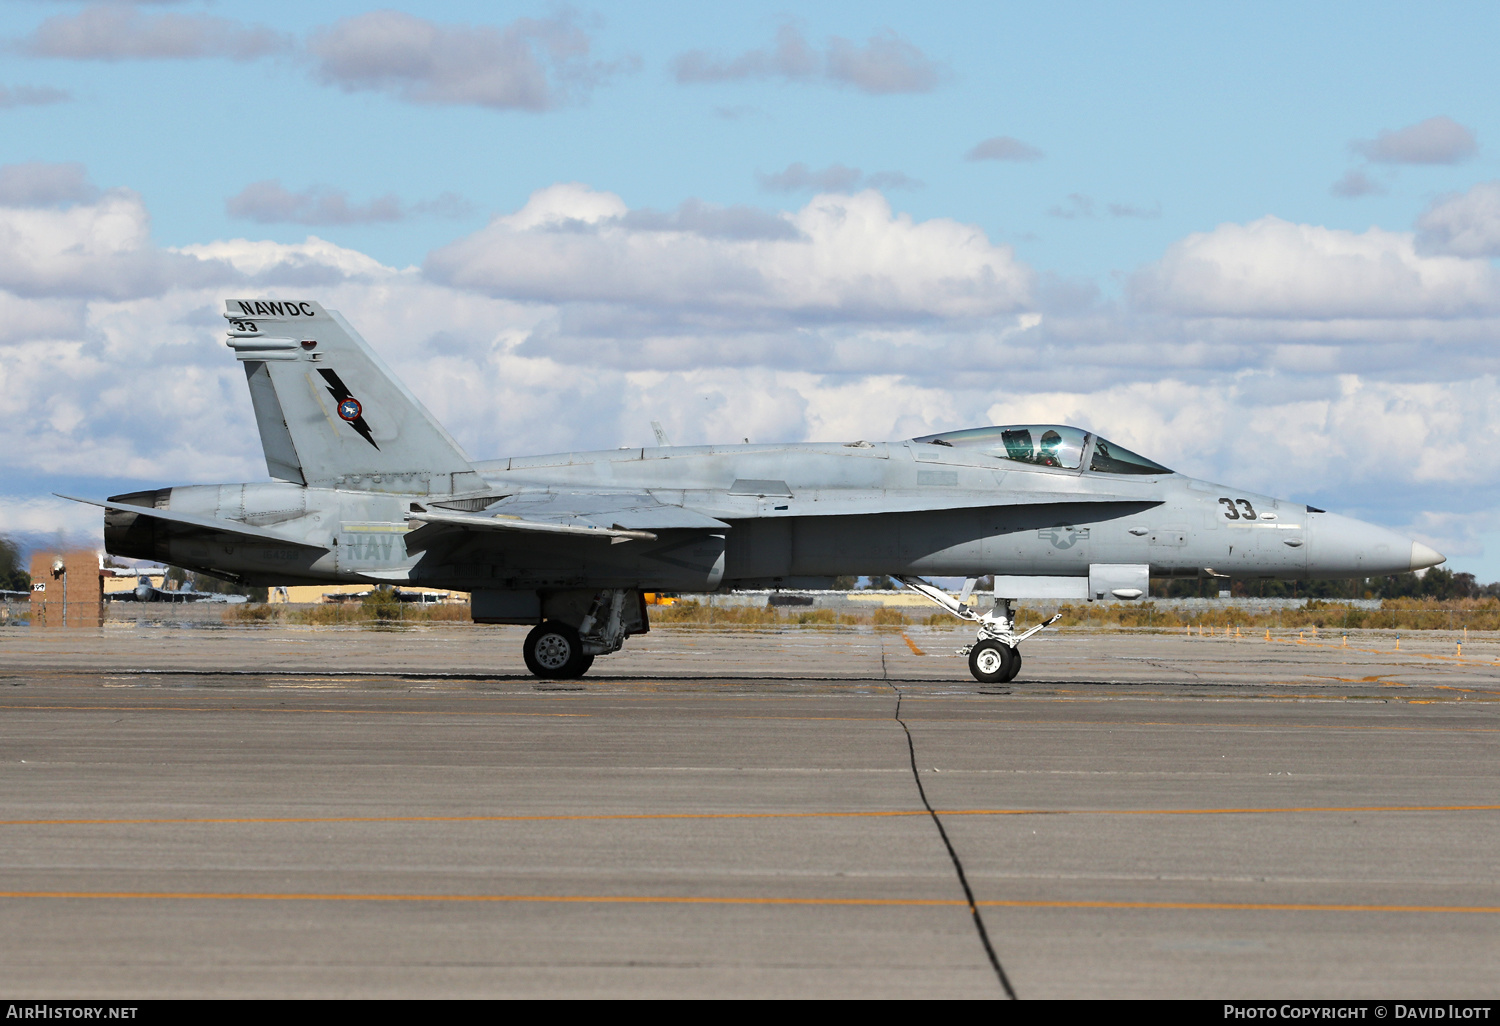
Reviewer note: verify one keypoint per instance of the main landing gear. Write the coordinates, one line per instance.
(995, 656)
(557, 649)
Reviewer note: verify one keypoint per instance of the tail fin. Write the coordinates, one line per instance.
(330, 413)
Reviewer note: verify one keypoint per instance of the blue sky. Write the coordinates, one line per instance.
(1161, 251)
(1205, 114)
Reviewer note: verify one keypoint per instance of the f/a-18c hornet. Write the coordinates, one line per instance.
(369, 488)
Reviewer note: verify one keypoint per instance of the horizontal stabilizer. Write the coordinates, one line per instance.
(192, 522)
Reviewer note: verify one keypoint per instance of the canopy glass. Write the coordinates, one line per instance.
(1047, 445)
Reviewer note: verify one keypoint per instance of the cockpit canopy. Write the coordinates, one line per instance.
(1048, 445)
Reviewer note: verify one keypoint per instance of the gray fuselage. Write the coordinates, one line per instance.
(792, 511)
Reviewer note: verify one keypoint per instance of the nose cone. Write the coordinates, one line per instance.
(1423, 556)
(1345, 547)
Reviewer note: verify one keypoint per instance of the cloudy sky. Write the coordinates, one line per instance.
(1254, 242)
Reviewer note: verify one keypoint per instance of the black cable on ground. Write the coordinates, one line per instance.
(958, 866)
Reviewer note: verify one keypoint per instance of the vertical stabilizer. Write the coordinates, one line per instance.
(330, 413)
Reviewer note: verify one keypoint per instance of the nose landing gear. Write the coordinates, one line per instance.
(995, 655)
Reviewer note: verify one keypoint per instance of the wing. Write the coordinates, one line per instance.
(618, 516)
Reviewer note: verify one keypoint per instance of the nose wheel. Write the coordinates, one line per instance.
(992, 662)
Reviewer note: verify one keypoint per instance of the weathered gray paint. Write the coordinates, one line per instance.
(720, 515)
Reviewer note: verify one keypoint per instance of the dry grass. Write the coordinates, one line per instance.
(700, 614)
(349, 613)
(1394, 614)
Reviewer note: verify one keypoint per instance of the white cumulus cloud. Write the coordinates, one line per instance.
(1253, 429)
(1466, 225)
(101, 248)
(1272, 268)
(39, 184)
(849, 257)
(1302, 361)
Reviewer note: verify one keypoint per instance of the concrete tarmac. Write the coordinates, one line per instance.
(282, 812)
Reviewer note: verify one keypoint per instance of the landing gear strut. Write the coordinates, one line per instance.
(995, 656)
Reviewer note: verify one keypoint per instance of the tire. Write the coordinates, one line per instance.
(1015, 665)
(553, 651)
(990, 661)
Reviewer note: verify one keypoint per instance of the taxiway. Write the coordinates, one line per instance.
(282, 812)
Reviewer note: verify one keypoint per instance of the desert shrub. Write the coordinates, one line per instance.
(381, 604)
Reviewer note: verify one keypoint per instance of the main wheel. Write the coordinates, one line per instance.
(990, 662)
(1015, 665)
(553, 651)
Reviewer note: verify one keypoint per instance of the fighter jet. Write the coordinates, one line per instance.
(145, 591)
(368, 487)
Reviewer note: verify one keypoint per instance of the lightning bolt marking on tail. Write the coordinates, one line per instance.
(337, 389)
